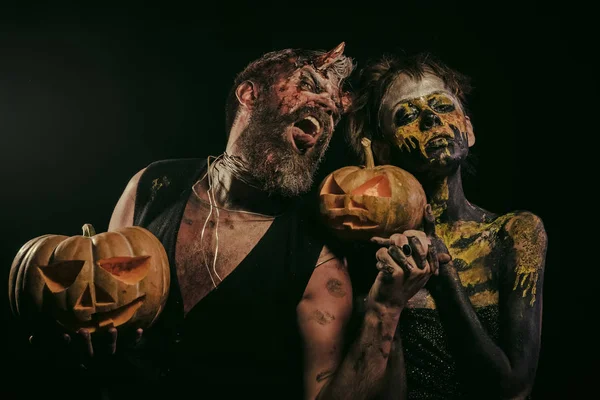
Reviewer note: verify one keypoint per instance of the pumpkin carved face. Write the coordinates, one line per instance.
(119, 278)
(358, 203)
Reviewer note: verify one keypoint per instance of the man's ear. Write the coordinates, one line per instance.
(470, 134)
(247, 93)
(347, 101)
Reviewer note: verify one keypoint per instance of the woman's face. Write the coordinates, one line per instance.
(424, 124)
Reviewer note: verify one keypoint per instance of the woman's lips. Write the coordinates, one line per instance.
(438, 141)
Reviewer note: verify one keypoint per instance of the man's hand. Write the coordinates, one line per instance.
(82, 349)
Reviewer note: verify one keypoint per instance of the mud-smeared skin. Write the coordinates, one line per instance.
(475, 329)
(335, 288)
(478, 250)
(322, 317)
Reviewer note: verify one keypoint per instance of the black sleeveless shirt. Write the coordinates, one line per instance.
(241, 340)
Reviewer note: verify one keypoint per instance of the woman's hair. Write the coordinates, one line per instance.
(374, 81)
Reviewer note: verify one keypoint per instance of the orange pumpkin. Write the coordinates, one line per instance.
(118, 278)
(358, 202)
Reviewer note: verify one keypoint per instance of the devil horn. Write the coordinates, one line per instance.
(324, 61)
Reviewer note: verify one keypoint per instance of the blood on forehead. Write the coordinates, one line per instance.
(285, 70)
(318, 66)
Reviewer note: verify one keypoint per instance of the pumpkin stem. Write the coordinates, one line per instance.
(88, 230)
(369, 160)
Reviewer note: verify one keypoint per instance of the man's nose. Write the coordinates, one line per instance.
(429, 120)
(325, 101)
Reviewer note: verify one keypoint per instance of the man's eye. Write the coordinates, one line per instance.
(305, 85)
(405, 116)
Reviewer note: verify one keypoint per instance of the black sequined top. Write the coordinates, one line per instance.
(431, 372)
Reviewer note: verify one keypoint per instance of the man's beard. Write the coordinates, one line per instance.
(271, 159)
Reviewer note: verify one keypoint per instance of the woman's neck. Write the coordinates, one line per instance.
(447, 199)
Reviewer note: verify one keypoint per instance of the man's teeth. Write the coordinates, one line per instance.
(315, 123)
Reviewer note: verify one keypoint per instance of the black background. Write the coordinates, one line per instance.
(89, 96)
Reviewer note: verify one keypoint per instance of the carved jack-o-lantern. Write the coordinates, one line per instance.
(118, 278)
(358, 203)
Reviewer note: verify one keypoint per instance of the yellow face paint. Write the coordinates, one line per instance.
(410, 133)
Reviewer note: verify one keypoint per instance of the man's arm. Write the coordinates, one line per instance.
(505, 369)
(122, 215)
(325, 310)
(323, 314)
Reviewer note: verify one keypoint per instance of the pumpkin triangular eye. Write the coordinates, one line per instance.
(85, 300)
(354, 204)
(378, 186)
(129, 270)
(103, 297)
(331, 186)
(59, 276)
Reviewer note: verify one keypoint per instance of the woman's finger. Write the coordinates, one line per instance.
(406, 263)
(420, 252)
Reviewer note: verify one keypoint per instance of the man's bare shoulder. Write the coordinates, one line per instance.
(122, 215)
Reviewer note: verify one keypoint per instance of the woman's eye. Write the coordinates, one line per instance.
(443, 107)
(405, 116)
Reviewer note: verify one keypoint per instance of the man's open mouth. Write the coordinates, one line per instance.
(305, 133)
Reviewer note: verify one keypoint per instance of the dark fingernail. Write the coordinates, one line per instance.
(407, 250)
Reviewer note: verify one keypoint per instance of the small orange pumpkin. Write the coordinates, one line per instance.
(118, 278)
(358, 203)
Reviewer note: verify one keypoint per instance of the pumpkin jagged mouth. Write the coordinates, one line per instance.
(353, 222)
(106, 319)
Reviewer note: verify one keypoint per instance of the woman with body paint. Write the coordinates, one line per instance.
(474, 330)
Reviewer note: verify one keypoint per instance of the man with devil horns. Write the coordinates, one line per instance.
(259, 305)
